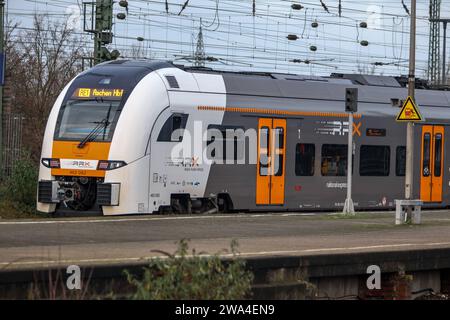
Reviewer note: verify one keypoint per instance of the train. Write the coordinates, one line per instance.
(145, 137)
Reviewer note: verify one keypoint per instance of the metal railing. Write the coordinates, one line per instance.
(12, 142)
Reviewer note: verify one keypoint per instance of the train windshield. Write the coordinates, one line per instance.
(79, 118)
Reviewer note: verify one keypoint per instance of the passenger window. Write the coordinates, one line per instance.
(279, 146)
(375, 161)
(279, 138)
(305, 155)
(264, 139)
(400, 166)
(334, 160)
(278, 165)
(173, 128)
(231, 140)
(426, 155)
(264, 151)
(438, 155)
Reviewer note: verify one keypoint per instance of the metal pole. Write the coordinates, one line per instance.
(411, 93)
(2, 28)
(348, 206)
(444, 68)
(98, 30)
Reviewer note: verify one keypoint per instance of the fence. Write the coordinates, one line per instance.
(12, 141)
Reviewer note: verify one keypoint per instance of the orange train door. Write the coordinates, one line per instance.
(432, 163)
(270, 174)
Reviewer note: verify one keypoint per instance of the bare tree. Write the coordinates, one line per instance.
(40, 62)
(137, 52)
(365, 68)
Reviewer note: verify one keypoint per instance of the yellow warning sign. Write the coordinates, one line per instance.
(409, 112)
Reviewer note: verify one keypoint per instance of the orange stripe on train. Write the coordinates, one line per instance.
(279, 112)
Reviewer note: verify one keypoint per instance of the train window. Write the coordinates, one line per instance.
(279, 138)
(438, 155)
(279, 144)
(78, 118)
(304, 160)
(334, 160)
(400, 166)
(426, 155)
(264, 151)
(229, 143)
(278, 165)
(264, 138)
(173, 128)
(375, 161)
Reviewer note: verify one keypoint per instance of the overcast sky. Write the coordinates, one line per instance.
(246, 42)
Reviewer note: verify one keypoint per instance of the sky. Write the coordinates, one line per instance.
(242, 40)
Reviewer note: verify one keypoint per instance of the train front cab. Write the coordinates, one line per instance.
(112, 167)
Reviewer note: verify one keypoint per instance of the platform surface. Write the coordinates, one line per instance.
(116, 240)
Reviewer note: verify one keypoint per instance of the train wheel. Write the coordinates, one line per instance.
(181, 204)
(163, 210)
(224, 203)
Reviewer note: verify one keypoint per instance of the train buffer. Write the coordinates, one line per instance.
(401, 211)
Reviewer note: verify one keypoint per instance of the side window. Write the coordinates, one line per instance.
(375, 161)
(334, 160)
(279, 146)
(305, 155)
(264, 151)
(229, 143)
(400, 166)
(173, 128)
(438, 155)
(426, 155)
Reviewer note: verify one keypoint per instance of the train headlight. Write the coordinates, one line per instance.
(51, 163)
(110, 165)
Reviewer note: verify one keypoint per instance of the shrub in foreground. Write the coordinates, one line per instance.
(196, 276)
(18, 191)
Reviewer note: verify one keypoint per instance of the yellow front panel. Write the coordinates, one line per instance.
(91, 151)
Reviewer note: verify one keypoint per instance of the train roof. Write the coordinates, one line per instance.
(373, 88)
(338, 78)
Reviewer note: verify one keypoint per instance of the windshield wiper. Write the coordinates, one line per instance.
(98, 99)
(102, 125)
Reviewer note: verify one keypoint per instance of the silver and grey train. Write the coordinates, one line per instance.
(129, 137)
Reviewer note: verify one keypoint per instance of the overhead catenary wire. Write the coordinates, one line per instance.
(267, 43)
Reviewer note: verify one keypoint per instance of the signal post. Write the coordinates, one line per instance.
(351, 106)
(410, 114)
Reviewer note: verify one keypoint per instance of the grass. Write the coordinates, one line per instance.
(12, 210)
(358, 216)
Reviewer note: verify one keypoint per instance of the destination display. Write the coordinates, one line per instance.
(88, 93)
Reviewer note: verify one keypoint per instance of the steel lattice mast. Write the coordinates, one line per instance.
(434, 74)
(200, 50)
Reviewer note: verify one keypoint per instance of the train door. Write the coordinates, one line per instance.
(270, 175)
(432, 163)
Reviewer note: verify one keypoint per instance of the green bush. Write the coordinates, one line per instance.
(20, 187)
(180, 276)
